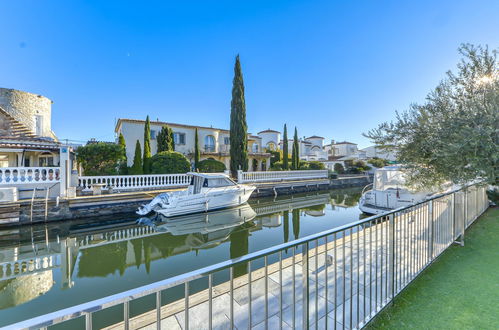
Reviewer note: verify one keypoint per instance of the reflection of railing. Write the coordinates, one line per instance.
(116, 236)
(28, 175)
(130, 182)
(16, 268)
(360, 266)
(276, 176)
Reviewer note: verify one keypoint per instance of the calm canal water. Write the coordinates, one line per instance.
(92, 258)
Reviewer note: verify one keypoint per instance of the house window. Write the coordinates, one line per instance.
(179, 138)
(153, 134)
(255, 147)
(46, 159)
(38, 125)
(226, 140)
(209, 143)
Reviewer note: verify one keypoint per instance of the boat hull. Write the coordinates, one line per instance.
(215, 200)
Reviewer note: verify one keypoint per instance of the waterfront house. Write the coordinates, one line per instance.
(213, 142)
(311, 148)
(26, 136)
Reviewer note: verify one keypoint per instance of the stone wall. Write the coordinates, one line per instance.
(24, 106)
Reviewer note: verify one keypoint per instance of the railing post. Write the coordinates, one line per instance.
(391, 252)
(305, 295)
(431, 229)
(239, 176)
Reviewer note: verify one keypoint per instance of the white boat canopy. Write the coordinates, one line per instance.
(389, 177)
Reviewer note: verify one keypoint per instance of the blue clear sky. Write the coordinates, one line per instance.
(332, 68)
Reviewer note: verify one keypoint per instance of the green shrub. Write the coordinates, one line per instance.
(338, 168)
(316, 165)
(211, 165)
(277, 166)
(493, 195)
(100, 158)
(378, 162)
(170, 162)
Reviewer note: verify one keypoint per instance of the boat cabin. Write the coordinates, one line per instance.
(389, 177)
(208, 180)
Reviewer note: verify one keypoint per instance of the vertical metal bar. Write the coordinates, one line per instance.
(371, 268)
(364, 250)
(266, 292)
(126, 315)
(351, 278)
(343, 247)
(391, 247)
(316, 283)
(376, 267)
(326, 280)
(358, 275)
(210, 301)
(186, 307)
(88, 321)
(250, 296)
(430, 228)
(335, 269)
(305, 287)
(158, 310)
(294, 287)
(231, 272)
(280, 289)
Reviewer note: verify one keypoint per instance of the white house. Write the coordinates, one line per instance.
(374, 151)
(213, 142)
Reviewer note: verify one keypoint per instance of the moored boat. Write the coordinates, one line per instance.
(207, 192)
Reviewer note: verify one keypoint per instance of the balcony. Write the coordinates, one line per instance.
(209, 148)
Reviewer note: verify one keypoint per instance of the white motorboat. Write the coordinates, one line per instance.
(388, 192)
(207, 192)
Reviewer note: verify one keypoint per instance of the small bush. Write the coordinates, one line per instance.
(338, 168)
(211, 165)
(316, 165)
(169, 162)
(277, 166)
(378, 162)
(100, 158)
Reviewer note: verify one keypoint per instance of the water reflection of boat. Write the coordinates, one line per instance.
(205, 223)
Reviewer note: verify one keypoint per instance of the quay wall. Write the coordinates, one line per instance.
(24, 212)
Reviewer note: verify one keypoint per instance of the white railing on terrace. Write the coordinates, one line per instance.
(132, 182)
(341, 277)
(27, 175)
(276, 176)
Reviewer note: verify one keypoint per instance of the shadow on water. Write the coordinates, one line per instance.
(49, 267)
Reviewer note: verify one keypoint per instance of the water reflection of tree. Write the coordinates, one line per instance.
(104, 260)
(286, 226)
(296, 223)
(352, 199)
(239, 246)
(137, 250)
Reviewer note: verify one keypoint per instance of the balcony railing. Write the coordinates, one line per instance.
(209, 148)
(277, 176)
(340, 277)
(132, 182)
(29, 175)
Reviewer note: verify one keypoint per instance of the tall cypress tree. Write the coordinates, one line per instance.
(285, 163)
(137, 160)
(171, 140)
(123, 170)
(295, 155)
(238, 127)
(197, 153)
(163, 139)
(147, 147)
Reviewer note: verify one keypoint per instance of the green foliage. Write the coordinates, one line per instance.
(315, 165)
(295, 154)
(285, 151)
(275, 156)
(197, 153)
(356, 166)
(172, 140)
(100, 158)
(211, 165)
(378, 162)
(277, 166)
(454, 135)
(238, 126)
(137, 161)
(169, 162)
(338, 168)
(164, 140)
(123, 168)
(493, 195)
(146, 164)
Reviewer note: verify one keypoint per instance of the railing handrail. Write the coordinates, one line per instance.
(127, 176)
(116, 299)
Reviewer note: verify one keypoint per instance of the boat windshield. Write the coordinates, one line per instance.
(218, 182)
(384, 180)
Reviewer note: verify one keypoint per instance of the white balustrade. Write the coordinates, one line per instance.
(277, 176)
(133, 182)
(28, 175)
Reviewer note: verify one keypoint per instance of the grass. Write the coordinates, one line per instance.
(459, 291)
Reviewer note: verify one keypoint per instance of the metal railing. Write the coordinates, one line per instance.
(29, 175)
(339, 278)
(132, 182)
(276, 176)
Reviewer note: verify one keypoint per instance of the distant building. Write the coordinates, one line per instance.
(26, 136)
(373, 151)
(213, 142)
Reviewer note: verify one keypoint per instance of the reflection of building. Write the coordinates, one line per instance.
(213, 142)
(22, 289)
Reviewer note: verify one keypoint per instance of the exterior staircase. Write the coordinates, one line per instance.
(11, 127)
